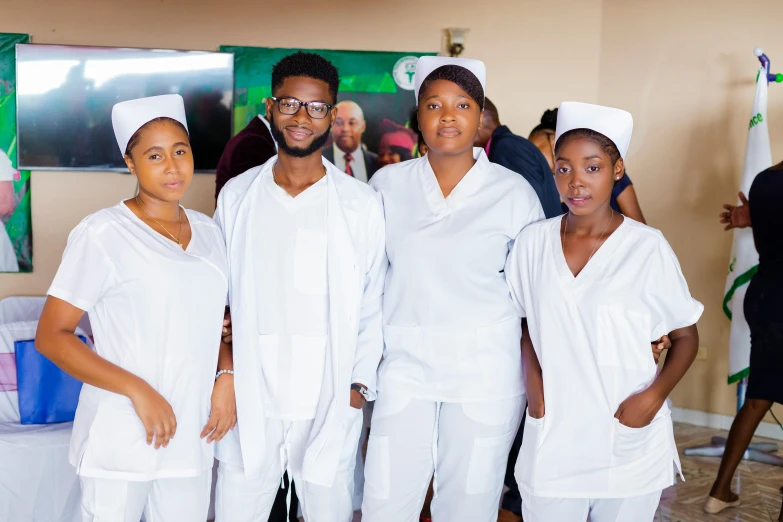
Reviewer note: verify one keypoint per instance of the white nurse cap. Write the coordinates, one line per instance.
(427, 64)
(615, 124)
(129, 116)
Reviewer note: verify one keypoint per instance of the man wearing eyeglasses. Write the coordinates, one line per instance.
(348, 152)
(307, 258)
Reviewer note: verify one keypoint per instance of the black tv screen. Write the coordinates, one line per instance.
(65, 95)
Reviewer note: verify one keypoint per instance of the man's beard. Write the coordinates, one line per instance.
(297, 152)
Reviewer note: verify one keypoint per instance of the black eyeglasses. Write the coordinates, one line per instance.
(317, 110)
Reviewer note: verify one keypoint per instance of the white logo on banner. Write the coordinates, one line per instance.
(403, 72)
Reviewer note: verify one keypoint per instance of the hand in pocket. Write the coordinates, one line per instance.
(638, 410)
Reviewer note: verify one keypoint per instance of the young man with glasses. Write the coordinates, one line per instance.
(307, 260)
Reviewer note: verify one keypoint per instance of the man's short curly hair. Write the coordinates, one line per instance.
(310, 65)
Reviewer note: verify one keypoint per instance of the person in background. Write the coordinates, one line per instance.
(518, 154)
(153, 278)
(763, 308)
(421, 146)
(624, 198)
(347, 152)
(593, 289)
(251, 147)
(397, 143)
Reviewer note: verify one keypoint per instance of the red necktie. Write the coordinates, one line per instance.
(348, 160)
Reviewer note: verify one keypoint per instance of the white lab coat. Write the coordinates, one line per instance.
(592, 336)
(356, 267)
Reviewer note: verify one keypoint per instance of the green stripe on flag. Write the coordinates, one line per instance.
(737, 377)
(740, 280)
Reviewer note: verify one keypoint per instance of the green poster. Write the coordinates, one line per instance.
(16, 242)
(380, 83)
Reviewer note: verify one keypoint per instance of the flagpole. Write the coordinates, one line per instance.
(757, 451)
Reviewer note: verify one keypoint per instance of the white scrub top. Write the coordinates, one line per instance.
(451, 333)
(293, 315)
(157, 312)
(592, 336)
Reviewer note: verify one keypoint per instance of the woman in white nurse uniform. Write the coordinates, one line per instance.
(153, 278)
(451, 391)
(596, 288)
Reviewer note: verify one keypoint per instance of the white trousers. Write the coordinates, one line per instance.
(239, 499)
(465, 445)
(634, 509)
(163, 500)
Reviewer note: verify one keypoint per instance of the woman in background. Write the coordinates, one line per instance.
(624, 198)
(397, 143)
(764, 312)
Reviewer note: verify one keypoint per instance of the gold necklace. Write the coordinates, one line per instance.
(179, 211)
(565, 229)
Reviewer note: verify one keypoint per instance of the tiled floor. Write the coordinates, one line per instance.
(757, 484)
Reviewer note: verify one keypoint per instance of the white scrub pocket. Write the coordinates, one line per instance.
(118, 441)
(310, 262)
(490, 454)
(525, 467)
(377, 471)
(624, 338)
(308, 355)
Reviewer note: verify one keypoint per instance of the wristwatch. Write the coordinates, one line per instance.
(362, 390)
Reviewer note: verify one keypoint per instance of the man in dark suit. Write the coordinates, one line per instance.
(251, 147)
(347, 151)
(518, 154)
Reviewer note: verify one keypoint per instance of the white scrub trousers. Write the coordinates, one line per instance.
(162, 500)
(634, 509)
(239, 499)
(466, 445)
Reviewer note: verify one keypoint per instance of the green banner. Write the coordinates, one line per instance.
(16, 216)
(381, 83)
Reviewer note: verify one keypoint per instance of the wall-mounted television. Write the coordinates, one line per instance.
(65, 95)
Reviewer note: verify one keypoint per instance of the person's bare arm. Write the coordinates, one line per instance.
(534, 380)
(629, 204)
(639, 409)
(224, 405)
(56, 340)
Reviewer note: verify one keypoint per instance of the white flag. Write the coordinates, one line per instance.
(744, 258)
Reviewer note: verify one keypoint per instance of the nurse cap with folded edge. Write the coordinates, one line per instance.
(129, 116)
(427, 64)
(615, 124)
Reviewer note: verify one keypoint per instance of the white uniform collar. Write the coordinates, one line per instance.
(468, 185)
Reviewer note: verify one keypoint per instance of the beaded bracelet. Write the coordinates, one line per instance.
(221, 372)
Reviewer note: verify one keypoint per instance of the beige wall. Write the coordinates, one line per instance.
(61, 199)
(684, 69)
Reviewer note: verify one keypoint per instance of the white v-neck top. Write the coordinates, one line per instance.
(156, 310)
(451, 332)
(292, 296)
(592, 336)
